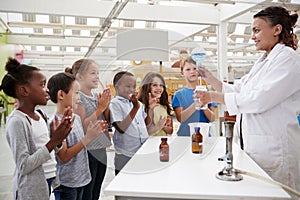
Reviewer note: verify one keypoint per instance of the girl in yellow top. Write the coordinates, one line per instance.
(154, 96)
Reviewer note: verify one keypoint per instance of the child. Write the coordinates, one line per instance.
(73, 166)
(41, 137)
(92, 107)
(183, 102)
(25, 127)
(127, 116)
(153, 86)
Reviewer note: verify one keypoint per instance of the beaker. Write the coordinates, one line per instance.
(208, 142)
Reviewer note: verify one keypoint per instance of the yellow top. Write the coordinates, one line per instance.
(159, 111)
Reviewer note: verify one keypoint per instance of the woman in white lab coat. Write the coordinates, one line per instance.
(268, 98)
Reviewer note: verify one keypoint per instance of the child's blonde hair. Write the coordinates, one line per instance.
(80, 66)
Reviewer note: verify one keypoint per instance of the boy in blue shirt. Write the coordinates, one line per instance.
(183, 101)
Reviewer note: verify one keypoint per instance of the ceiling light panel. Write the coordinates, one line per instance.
(93, 21)
(68, 32)
(84, 49)
(15, 17)
(240, 29)
(16, 29)
(239, 40)
(198, 38)
(85, 33)
(48, 31)
(69, 49)
(28, 30)
(139, 24)
(40, 48)
(69, 20)
(42, 18)
(212, 39)
(55, 48)
(115, 22)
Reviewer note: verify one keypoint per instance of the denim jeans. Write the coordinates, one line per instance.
(55, 191)
(97, 164)
(69, 193)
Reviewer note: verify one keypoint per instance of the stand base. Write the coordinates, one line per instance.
(229, 175)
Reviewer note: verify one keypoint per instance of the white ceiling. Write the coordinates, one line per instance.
(55, 33)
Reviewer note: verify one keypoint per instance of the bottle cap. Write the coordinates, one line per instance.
(164, 139)
(197, 128)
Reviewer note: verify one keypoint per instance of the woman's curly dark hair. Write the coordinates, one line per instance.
(279, 15)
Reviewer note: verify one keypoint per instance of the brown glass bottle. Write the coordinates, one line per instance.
(164, 150)
(197, 141)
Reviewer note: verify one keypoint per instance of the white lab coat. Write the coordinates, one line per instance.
(269, 98)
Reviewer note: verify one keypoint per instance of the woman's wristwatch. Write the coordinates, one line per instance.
(58, 148)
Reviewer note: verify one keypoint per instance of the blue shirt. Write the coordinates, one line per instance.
(131, 140)
(184, 98)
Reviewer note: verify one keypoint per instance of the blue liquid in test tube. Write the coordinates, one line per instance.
(198, 58)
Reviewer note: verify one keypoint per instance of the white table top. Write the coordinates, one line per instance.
(189, 176)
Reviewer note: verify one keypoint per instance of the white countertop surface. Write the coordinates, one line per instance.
(188, 175)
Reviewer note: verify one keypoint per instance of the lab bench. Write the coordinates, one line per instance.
(188, 175)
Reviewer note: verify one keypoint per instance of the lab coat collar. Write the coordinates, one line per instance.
(274, 52)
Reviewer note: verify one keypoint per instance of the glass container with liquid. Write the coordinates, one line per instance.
(197, 140)
(164, 150)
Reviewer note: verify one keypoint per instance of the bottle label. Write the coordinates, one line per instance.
(164, 154)
(196, 147)
(197, 141)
